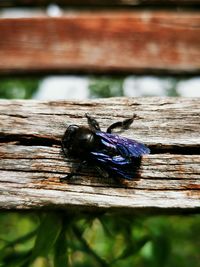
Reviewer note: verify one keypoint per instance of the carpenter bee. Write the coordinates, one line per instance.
(109, 153)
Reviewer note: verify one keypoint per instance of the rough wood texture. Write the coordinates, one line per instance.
(99, 42)
(31, 161)
(98, 2)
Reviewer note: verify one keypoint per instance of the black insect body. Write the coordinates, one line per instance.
(110, 154)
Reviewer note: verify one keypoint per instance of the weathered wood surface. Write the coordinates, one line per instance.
(102, 42)
(31, 161)
(98, 2)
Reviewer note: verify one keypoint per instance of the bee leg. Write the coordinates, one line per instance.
(121, 124)
(67, 177)
(71, 174)
(94, 125)
(102, 172)
(63, 148)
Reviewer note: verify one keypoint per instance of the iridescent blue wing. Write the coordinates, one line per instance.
(117, 165)
(119, 155)
(126, 147)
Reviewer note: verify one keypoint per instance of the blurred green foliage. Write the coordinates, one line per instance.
(18, 88)
(59, 239)
(171, 90)
(113, 86)
(54, 239)
(106, 86)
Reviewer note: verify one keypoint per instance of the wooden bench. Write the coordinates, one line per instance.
(108, 41)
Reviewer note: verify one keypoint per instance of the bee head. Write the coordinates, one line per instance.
(78, 140)
(69, 136)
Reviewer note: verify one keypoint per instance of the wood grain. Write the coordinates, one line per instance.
(102, 42)
(31, 162)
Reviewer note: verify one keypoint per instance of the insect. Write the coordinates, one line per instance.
(109, 153)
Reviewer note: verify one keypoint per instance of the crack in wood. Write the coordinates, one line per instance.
(176, 149)
(31, 161)
(33, 140)
(29, 140)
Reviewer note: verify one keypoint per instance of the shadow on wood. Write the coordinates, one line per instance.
(30, 171)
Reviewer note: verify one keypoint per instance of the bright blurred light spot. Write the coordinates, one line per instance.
(144, 86)
(60, 87)
(189, 88)
(54, 10)
(20, 12)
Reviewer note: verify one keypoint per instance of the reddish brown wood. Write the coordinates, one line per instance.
(102, 42)
(97, 2)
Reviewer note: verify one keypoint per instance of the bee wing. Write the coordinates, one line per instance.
(125, 157)
(115, 165)
(125, 146)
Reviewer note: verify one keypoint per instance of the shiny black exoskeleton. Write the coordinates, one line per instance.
(109, 153)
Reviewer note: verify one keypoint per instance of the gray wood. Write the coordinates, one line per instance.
(31, 161)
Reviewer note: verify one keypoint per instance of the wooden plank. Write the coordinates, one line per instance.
(177, 118)
(99, 42)
(98, 2)
(31, 162)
